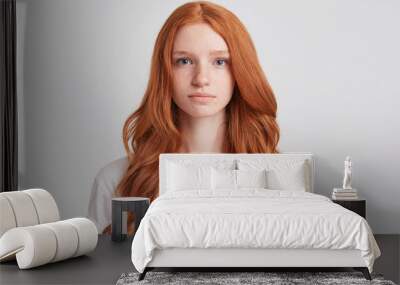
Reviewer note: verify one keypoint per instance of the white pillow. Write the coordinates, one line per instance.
(252, 178)
(185, 177)
(223, 179)
(236, 179)
(287, 179)
(282, 174)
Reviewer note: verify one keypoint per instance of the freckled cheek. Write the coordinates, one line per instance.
(180, 82)
(182, 79)
(225, 86)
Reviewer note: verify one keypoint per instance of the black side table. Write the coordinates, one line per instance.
(120, 208)
(358, 206)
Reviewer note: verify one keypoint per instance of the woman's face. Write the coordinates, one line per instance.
(203, 82)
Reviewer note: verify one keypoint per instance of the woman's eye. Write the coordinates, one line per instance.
(184, 60)
(221, 61)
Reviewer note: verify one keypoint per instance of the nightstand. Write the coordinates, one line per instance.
(358, 206)
(120, 208)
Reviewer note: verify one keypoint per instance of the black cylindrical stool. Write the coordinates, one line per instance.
(120, 207)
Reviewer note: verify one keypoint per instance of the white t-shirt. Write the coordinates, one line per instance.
(104, 185)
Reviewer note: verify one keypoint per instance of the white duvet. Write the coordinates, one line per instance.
(250, 218)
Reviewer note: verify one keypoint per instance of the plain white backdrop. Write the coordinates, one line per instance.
(83, 67)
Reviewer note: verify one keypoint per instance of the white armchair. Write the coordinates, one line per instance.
(31, 231)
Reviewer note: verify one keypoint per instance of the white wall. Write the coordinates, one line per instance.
(84, 65)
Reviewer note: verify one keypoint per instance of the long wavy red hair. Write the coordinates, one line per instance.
(153, 128)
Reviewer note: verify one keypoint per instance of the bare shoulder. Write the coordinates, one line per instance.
(103, 189)
(112, 172)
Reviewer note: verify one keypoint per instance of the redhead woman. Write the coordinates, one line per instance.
(207, 93)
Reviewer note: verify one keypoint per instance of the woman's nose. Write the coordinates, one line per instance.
(201, 76)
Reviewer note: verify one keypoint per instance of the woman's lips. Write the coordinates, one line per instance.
(201, 97)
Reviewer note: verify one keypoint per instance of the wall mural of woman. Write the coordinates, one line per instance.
(206, 93)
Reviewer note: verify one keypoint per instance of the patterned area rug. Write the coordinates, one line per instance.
(228, 278)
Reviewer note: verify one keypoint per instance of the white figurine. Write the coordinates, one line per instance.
(347, 173)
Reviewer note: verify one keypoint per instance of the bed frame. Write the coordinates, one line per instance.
(249, 259)
(236, 259)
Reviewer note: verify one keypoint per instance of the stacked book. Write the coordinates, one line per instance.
(344, 194)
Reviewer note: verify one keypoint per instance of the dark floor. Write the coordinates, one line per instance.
(388, 263)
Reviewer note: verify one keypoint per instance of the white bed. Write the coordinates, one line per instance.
(247, 225)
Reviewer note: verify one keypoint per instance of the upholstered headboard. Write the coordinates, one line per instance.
(230, 160)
